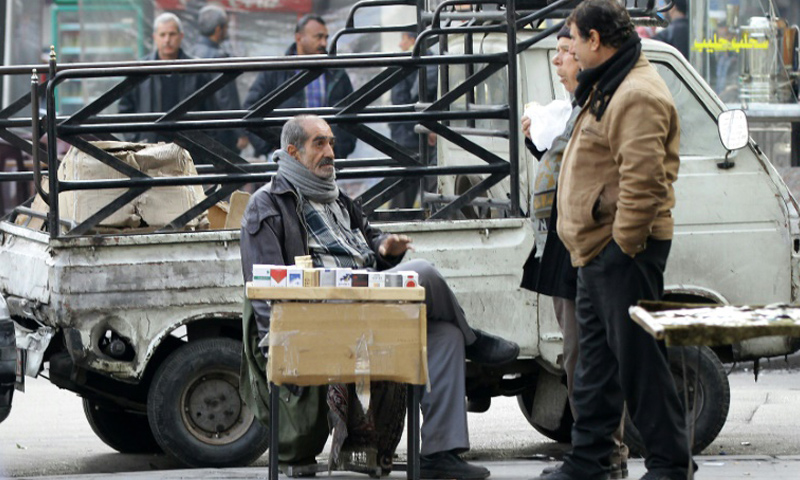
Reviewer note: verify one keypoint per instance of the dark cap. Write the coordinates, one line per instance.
(564, 32)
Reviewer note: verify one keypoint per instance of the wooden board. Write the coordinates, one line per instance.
(389, 294)
(718, 325)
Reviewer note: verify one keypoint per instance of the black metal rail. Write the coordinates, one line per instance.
(223, 170)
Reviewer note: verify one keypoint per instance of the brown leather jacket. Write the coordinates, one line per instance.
(617, 174)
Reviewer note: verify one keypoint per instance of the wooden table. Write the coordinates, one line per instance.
(713, 325)
(716, 325)
(323, 335)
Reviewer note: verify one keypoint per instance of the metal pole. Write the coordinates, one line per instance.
(274, 405)
(52, 151)
(35, 137)
(513, 108)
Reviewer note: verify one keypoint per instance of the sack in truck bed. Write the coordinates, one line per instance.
(155, 208)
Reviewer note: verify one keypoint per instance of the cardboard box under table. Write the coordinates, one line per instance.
(323, 335)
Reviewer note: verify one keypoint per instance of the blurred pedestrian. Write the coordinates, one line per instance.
(407, 91)
(161, 93)
(677, 33)
(330, 87)
(212, 22)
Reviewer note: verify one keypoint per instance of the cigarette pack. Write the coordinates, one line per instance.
(344, 277)
(294, 277)
(311, 277)
(361, 278)
(410, 279)
(376, 279)
(303, 261)
(277, 275)
(327, 277)
(393, 280)
(261, 275)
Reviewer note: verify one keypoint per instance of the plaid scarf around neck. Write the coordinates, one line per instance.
(332, 241)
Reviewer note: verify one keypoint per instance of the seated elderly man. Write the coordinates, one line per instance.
(302, 212)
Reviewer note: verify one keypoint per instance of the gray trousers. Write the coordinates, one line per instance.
(444, 409)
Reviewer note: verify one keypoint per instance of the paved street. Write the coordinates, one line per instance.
(47, 435)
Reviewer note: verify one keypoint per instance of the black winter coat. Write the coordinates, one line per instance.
(147, 97)
(553, 274)
(338, 87)
(406, 92)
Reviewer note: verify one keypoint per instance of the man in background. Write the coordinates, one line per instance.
(407, 91)
(161, 93)
(677, 33)
(212, 22)
(310, 38)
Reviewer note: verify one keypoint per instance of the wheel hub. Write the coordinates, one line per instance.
(212, 409)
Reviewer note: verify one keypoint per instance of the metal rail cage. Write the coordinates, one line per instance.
(221, 171)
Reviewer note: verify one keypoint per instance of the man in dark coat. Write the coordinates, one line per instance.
(212, 22)
(677, 33)
(160, 93)
(405, 92)
(311, 38)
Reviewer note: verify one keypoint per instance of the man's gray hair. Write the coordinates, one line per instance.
(167, 17)
(294, 132)
(209, 18)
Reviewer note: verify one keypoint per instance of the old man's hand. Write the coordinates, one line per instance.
(395, 245)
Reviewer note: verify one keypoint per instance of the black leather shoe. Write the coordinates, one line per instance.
(449, 465)
(491, 350)
(618, 471)
(663, 476)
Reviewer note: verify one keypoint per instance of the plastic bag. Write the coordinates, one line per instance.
(547, 121)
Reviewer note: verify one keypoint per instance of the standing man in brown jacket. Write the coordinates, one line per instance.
(615, 197)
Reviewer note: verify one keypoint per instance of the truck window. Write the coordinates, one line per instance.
(493, 91)
(698, 127)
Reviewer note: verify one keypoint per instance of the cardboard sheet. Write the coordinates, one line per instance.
(318, 343)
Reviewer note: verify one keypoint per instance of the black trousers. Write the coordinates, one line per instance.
(620, 362)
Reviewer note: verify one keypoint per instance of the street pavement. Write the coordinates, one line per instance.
(47, 438)
(710, 468)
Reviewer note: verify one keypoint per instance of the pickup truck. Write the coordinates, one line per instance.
(146, 327)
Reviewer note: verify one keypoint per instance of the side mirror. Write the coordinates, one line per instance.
(733, 132)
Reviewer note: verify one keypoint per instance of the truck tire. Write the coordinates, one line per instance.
(562, 434)
(710, 409)
(125, 432)
(195, 411)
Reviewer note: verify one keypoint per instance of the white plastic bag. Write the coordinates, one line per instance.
(547, 121)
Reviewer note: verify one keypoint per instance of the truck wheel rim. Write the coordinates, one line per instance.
(212, 410)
